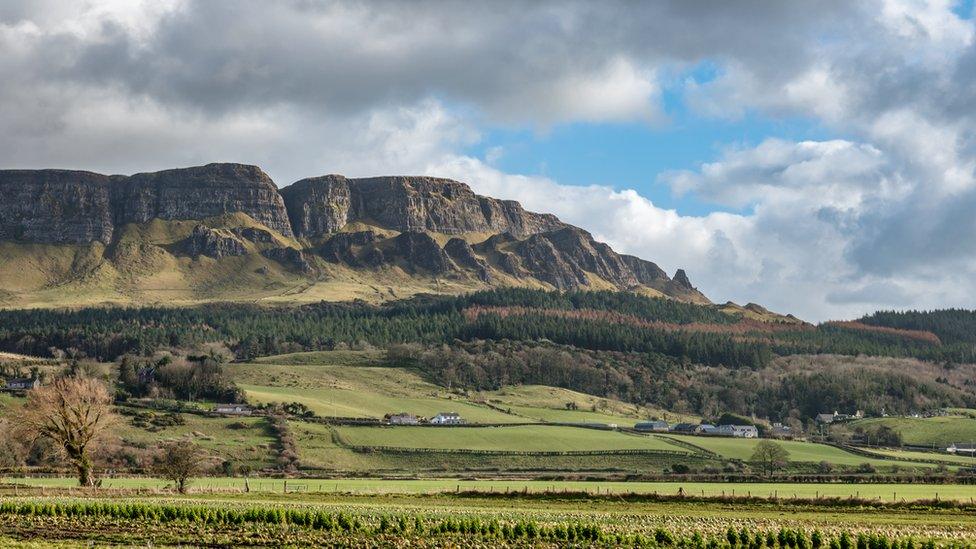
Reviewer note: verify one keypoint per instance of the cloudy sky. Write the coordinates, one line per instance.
(815, 157)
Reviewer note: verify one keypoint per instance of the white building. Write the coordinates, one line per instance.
(738, 431)
(447, 418)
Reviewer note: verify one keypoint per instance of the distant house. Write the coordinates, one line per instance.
(836, 416)
(964, 449)
(706, 429)
(22, 384)
(402, 419)
(233, 409)
(647, 426)
(684, 428)
(146, 375)
(738, 431)
(447, 418)
(780, 431)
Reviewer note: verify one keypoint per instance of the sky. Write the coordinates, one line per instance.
(815, 157)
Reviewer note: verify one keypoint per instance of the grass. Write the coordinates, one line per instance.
(350, 384)
(220, 436)
(522, 438)
(808, 452)
(950, 459)
(935, 432)
(374, 486)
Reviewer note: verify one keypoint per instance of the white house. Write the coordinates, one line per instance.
(738, 431)
(447, 418)
(967, 449)
(233, 409)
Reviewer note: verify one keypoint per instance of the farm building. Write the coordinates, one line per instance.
(738, 431)
(22, 384)
(233, 409)
(402, 419)
(447, 418)
(693, 429)
(658, 426)
(962, 449)
(836, 416)
(780, 431)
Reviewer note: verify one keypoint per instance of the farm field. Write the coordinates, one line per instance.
(324, 488)
(523, 438)
(306, 519)
(806, 452)
(943, 457)
(935, 432)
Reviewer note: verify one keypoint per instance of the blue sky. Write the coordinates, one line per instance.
(816, 158)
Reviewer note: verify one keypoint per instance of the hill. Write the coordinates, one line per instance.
(225, 232)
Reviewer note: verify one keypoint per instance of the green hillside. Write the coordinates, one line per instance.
(935, 432)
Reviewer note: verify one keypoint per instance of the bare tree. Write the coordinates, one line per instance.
(770, 456)
(73, 414)
(180, 461)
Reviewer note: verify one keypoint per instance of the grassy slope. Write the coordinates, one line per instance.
(252, 445)
(355, 384)
(937, 432)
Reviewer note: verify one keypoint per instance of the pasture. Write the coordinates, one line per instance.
(934, 432)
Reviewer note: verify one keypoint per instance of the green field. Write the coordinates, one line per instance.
(357, 486)
(522, 438)
(935, 432)
(805, 452)
(949, 459)
(356, 384)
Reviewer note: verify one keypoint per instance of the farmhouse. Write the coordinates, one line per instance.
(233, 409)
(447, 418)
(658, 426)
(780, 431)
(835, 417)
(402, 419)
(22, 384)
(963, 449)
(738, 431)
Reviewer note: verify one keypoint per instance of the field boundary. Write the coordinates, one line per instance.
(466, 451)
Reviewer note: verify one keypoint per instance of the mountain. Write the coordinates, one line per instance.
(226, 232)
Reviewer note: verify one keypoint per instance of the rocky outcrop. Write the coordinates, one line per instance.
(55, 206)
(645, 271)
(419, 250)
(463, 255)
(354, 249)
(255, 235)
(681, 280)
(201, 192)
(318, 206)
(322, 205)
(211, 243)
(294, 259)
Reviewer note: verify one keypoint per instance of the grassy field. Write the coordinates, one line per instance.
(807, 452)
(949, 459)
(360, 486)
(524, 438)
(936, 432)
(355, 384)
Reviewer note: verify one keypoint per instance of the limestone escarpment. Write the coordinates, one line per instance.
(422, 227)
(322, 205)
(201, 192)
(56, 206)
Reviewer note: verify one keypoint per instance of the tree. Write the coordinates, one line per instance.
(73, 414)
(180, 461)
(770, 456)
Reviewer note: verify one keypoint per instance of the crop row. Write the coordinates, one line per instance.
(405, 525)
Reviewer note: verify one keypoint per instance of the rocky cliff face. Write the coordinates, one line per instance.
(55, 206)
(494, 241)
(202, 192)
(322, 205)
